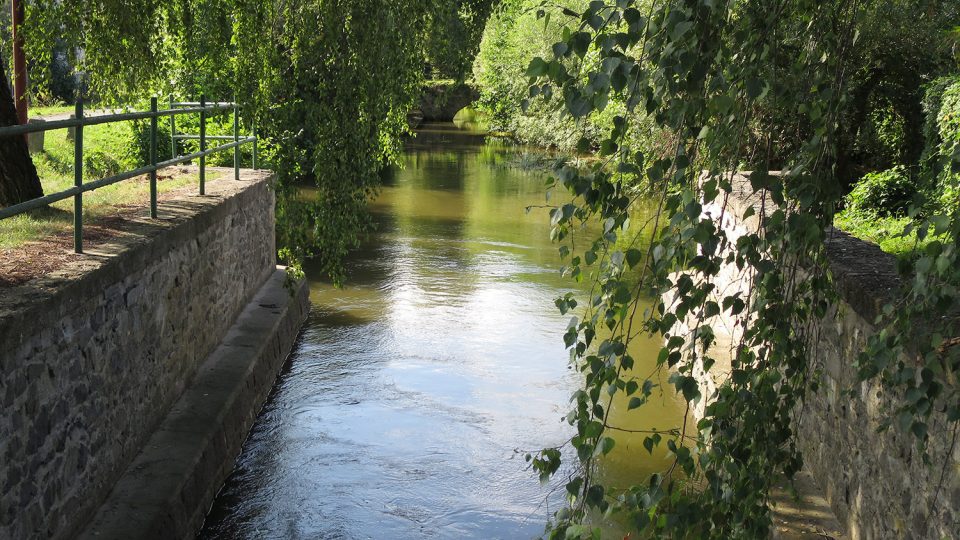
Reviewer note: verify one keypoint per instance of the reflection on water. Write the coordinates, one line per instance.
(410, 390)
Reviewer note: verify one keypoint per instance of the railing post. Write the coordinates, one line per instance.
(78, 179)
(255, 145)
(173, 132)
(203, 143)
(153, 157)
(236, 138)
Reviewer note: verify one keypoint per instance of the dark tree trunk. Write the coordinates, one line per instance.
(18, 176)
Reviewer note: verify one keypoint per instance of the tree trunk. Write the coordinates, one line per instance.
(18, 176)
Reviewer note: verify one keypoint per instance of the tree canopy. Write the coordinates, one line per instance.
(784, 93)
(328, 83)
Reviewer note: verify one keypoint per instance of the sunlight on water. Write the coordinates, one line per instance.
(410, 390)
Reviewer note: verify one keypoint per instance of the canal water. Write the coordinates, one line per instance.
(413, 392)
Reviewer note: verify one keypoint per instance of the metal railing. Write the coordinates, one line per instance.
(154, 114)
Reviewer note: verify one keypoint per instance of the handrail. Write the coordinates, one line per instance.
(23, 129)
(39, 202)
(154, 114)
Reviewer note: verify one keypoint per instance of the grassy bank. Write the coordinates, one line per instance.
(105, 154)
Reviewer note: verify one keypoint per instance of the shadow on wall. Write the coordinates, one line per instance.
(441, 102)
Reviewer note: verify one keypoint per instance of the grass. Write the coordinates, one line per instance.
(105, 154)
(50, 109)
(883, 231)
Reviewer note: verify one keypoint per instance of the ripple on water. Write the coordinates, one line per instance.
(403, 405)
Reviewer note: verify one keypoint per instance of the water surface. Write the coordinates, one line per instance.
(411, 390)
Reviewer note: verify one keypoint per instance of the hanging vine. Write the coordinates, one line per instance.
(711, 74)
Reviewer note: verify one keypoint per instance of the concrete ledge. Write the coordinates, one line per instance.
(167, 489)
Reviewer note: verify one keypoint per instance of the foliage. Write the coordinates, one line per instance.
(942, 133)
(511, 37)
(514, 35)
(744, 85)
(328, 82)
(903, 46)
(453, 35)
(884, 193)
(334, 102)
(931, 187)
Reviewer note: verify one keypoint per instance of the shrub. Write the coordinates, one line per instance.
(941, 105)
(886, 193)
(219, 125)
(513, 37)
(98, 163)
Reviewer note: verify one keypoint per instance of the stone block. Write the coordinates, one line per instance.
(35, 140)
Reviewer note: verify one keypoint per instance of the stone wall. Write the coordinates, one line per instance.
(441, 102)
(94, 355)
(876, 482)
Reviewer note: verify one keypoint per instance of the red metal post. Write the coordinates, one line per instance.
(19, 62)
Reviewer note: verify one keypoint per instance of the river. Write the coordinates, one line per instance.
(412, 392)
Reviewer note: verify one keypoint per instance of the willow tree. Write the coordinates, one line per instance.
(453, 36)
(328, 83)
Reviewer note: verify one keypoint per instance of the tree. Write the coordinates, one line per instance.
(453, 35)
(744, 85)
(18, 176)
(328, 82)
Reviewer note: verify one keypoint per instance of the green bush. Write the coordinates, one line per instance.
(948, 116)
(219, 125)
(941, 105)
(140, 141)
(886, 193)
(100, 164)
(513, 37)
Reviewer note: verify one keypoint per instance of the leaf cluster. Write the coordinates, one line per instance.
(729, 81)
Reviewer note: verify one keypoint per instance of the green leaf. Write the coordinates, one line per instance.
(688, 386)
(583, 145)
(606, 445)
(537, 68)
(608, 147)
(680, 30)
(573, 486)
(722, 103)
(580, 43)
(756, 88)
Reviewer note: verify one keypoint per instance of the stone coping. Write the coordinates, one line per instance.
(866, 277)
